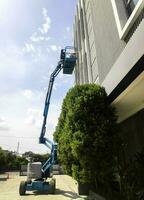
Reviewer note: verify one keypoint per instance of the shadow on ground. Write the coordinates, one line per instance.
(69, 194)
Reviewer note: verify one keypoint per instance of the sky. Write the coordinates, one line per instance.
(32, 33)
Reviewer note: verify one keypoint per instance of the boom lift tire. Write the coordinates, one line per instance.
(52, 186)
(22, 188)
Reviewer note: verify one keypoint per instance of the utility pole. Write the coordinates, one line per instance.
(17, 151)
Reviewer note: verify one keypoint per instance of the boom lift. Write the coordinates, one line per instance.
(37, 173)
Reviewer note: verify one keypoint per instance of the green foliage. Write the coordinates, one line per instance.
(10, 161)
(36, 157)
(2, 159)
(133, 177)
(87, 136)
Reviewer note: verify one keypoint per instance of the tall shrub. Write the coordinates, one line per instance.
(87, 136)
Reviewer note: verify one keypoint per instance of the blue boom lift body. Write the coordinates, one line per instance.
(67, 63)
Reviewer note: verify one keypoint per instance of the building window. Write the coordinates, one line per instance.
(130, 5)
(126, 13)
(85, 68)
(79, 36)
(82, 23)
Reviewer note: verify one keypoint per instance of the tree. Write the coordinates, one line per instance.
(2, 159)
(10, 161)
(36, 157)
(87, 136)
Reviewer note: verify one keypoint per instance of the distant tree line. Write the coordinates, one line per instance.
(11, 161)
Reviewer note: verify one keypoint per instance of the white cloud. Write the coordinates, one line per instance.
(59, 48)
(54, 113)
(55, 86)
(44, 12)
(68, 29)
(48, 50)
(38, 38)
(34, 117)
(39, 35)
(44, 79)
(35, 38)
(33, 46)
(61, 76)
(3, 124)
(29, 48)
(13, 67)
(47, 22)
(53, 47)
(2, 119)
(27, 93)
(47, 38)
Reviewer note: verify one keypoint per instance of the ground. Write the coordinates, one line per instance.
(66, 188)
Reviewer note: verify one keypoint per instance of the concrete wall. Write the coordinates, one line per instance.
(84, 43)
(97, 28)
(96, 39)
(91, 40)
(107, 42)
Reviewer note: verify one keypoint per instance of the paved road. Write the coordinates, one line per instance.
(66, 188)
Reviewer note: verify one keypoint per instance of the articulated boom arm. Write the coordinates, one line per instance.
(67, 62)
(42, 139)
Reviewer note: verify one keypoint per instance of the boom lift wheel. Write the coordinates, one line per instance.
(22, 188)
(52, 186)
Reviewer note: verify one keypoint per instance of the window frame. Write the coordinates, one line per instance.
(130, 21)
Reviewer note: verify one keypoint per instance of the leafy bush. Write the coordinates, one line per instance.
(87, 136)
(10, 161)
(35, 157)
(133, 177)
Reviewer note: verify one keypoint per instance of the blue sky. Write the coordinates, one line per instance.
(32, 35)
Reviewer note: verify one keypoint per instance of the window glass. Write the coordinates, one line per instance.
(130, 5)
(135, 1)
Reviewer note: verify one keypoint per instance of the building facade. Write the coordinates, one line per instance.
(109, 38)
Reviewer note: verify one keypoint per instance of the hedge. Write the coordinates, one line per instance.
(87, 137)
